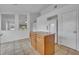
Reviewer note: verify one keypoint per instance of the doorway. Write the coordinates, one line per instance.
(53, 27)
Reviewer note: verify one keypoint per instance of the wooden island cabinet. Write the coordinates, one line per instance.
(43, 42)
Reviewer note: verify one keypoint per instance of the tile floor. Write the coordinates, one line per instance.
(23, 47)
(63, 50)
(20, 47)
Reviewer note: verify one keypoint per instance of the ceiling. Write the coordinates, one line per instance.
(23, 8)
(34, 8)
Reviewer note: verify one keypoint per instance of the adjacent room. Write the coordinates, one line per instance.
(39, 29)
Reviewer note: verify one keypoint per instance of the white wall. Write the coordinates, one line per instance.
(69, 26)
(9, 35)
(42, 23)
(33, 17)
(52, 8)
(78, 29)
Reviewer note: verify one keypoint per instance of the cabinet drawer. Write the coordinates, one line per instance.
(40, 40)
(34, 45)
(40, 48)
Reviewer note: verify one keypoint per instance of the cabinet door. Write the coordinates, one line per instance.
(69, 29)
(40, 44)
(33, 40)
(50, 44)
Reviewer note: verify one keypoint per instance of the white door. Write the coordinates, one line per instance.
(53, 28)
(69, 29)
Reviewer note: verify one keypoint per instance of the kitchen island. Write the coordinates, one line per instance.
(43, 42)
